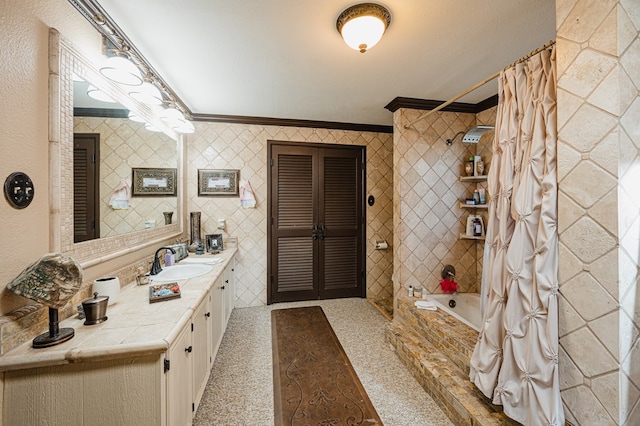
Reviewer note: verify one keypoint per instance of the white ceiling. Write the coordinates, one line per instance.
(285, 58)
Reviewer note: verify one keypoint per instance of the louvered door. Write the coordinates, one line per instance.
(316, 230)
(340, 220)
(86, 171)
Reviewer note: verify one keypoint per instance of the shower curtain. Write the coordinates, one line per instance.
(515, 361)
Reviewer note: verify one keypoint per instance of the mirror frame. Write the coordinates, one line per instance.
(64, 61)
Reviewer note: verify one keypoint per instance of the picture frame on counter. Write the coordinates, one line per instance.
(213, 242)
(148, 181)
(216, 182)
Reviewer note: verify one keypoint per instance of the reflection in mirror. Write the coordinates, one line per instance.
(107, 145)
(65, 63)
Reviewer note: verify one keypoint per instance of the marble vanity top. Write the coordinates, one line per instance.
(134, 326)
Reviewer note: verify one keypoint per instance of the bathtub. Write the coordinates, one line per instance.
(467, 307)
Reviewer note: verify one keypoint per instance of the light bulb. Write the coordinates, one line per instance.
(121, 70)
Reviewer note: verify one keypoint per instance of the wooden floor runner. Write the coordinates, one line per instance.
(313, 381)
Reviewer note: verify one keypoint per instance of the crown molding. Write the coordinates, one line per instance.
(113, 35)
(429, 104)
(287, 122)
(101, 112)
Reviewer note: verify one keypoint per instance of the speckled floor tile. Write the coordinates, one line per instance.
(240, 389)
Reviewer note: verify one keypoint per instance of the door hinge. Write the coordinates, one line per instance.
(167, 365)
(93, 158)
(192, 327)
(193, 406)
(271, 162)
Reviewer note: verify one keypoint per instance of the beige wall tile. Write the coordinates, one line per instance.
(244, 147)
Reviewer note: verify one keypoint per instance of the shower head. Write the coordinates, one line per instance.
(471, 136)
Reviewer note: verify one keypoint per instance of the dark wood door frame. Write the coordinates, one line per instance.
(361, 200)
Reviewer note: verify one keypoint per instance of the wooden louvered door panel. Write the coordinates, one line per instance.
(315, 236)
(86, 172)
(340, 251)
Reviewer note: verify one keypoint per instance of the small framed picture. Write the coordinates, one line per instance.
(218, 182)
(148, 181)
(213, 242)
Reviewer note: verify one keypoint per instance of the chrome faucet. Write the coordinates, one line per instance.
(155, 267)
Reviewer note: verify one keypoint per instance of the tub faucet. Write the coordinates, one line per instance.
(155, 267)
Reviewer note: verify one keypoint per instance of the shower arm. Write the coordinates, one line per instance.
(450, 141)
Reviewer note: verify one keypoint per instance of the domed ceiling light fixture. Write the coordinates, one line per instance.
(147, 93)
(362, 26)
(97, 94)
(121, 70)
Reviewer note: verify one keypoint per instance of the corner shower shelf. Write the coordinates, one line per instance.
(463, 205)
(472, 206)
(468, 237)
(473, 178)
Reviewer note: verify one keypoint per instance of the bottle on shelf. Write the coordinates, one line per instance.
(476, 197)
(468, 167)
(477, 227)
(477, 160)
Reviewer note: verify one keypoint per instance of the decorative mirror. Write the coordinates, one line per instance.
(146, 224)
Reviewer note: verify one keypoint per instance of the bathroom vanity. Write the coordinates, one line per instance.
(148, 364)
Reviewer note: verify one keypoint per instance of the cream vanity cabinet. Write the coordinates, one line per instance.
(187, 364)
(222, 296)
(113, 383)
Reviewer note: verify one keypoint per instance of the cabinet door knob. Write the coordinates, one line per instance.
(188, 349)
(208, 314)
(222, 288)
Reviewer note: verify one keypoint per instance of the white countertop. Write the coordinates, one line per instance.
(134, 326)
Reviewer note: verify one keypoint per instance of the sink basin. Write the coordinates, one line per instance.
(181, 272)
(201, 260)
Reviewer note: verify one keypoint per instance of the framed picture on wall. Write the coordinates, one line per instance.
(148, 182)
(218, 182)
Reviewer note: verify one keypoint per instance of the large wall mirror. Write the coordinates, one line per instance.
(108, 145)
(121, 145)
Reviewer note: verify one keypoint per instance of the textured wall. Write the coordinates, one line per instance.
(598, 114)
(244, 147)
(427, 218)
(125, 144)
(25, 119)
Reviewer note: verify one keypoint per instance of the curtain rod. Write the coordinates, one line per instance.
(482, 83)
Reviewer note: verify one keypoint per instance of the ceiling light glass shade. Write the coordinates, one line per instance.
(171, 116)
(146, 93)
(363, 25)
(184, 127)
(121, 70)
(151, 127)
(97, 94)
(134, 117)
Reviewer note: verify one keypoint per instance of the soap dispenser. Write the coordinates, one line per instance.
(169, 258)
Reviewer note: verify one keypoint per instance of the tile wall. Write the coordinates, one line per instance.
(125, 144)
(427, 218)
(598, 51)
(244, 147)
